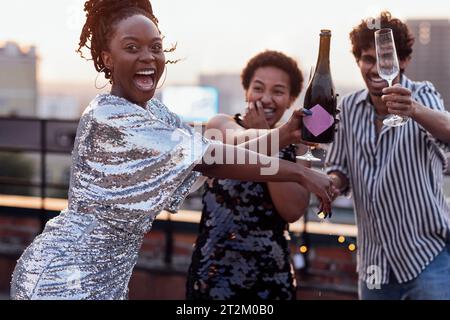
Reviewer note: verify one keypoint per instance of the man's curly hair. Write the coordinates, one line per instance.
(278, 60)
(362, 36)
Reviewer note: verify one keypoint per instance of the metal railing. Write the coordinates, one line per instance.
(39, 136)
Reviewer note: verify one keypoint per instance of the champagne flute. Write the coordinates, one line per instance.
(388, 67)
(308, 156)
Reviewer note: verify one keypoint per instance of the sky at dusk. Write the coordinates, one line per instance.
(212, 36)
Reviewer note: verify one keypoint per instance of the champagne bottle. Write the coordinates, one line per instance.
(320, 98)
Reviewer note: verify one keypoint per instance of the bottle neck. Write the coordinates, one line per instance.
(323, 61)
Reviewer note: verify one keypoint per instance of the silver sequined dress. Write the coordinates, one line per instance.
(128, 164)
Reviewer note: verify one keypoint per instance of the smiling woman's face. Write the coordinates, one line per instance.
(136, 59)
(271, 86)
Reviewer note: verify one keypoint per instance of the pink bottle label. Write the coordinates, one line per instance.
(319, 121)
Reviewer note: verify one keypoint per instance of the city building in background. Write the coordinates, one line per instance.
(231, 94)
(431, 55)
(18, 81)
(192, 103)
(58, 107)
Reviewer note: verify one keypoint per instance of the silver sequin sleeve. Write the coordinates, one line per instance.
(128, 164)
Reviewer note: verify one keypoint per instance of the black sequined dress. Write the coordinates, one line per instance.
(242, 248)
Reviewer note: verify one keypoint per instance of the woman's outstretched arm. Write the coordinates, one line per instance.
(224, 128)
(232, 162)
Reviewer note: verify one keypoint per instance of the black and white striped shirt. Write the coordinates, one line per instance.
(397, 186)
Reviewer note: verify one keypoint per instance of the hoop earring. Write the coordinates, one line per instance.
(164, 80)
(96, 78)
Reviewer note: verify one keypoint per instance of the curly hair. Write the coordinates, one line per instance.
(278, 60)
(101, 18)
(362, 36)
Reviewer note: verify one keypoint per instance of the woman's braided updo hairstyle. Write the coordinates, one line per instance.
(101, 18)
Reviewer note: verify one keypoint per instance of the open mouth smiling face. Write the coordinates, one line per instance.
(136, 58)
(271, 86)
(144, 79)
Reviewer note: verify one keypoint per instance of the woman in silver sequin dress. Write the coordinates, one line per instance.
(132, 158)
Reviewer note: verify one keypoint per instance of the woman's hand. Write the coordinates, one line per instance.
(254, 116)
(321, 185)
(293, 127)
(398, 100)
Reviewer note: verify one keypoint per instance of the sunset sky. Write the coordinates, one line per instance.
(212, 36)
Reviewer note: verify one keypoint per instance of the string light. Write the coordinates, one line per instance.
(341, 239)
(303, 249)
(351, 247)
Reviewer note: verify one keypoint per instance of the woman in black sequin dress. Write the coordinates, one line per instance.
(242, 248)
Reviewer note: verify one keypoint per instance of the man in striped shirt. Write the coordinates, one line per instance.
(395, 175)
